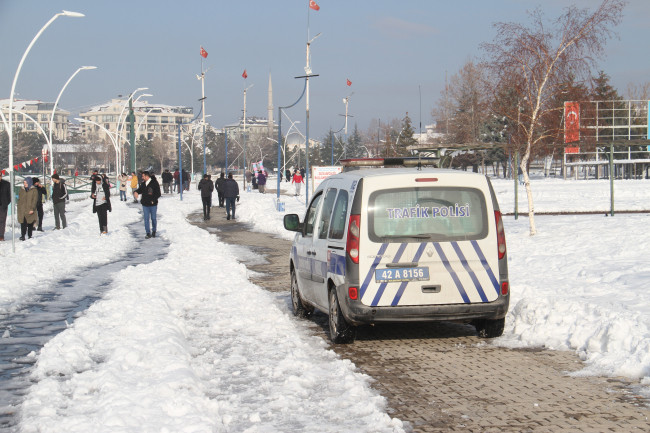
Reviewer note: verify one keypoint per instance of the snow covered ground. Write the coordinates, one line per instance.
(188, 344)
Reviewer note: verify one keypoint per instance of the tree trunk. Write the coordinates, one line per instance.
(529, 191)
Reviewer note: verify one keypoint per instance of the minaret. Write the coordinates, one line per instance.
(270, 107)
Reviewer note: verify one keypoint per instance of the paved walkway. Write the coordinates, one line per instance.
(440, 377)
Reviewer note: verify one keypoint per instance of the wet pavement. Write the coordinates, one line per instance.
(24, 332)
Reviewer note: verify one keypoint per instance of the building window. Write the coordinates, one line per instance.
(108, 118)
(43, 117)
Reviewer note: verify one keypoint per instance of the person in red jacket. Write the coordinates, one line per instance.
(297, 180)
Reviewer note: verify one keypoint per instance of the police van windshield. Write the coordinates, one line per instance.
(427, 214)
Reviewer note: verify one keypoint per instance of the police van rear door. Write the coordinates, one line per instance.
(431, 242)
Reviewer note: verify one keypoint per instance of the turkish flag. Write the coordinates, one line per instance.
(245, 75)
(349, 82)
(571, 122)
(313, 5)
(204, 53)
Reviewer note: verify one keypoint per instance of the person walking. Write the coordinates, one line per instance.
(287, 175)
(297, 180)
(42, 196)
(59, 195)
(185, 180)
(167, 179)
(261, 181)
(177, 181)
(26, 212)
(134, 185)
(123, 179)
(5, 201)
(206, 188)
(231, 194)
(102, 203)
(150, 191)
(218, 184)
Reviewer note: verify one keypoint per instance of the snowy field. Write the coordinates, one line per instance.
(188, 344)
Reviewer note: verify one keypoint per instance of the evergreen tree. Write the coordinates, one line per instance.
(355, 147)
(405, 138)
(602, 90)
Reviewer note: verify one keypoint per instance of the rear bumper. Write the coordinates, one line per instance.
(357, 313)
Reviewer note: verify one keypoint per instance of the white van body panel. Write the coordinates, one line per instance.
(449, 274)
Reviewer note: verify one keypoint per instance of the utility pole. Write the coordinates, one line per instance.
(131, 135)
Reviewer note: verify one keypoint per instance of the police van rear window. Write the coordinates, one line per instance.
(431, 214)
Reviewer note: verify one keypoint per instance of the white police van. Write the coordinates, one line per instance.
(399, 245)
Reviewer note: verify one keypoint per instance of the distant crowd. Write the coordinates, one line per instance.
(143, 185)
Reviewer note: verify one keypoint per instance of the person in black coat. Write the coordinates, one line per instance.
(150, 191)
(167, 179)
(231, 193)
(59, 196)
(206, 187)
(218, 184)
(5, 201)
(101, 203)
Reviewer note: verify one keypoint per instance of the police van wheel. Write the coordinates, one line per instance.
(340, 330)
(299, 309)
(490, 328)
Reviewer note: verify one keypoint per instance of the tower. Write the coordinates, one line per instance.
(270, 108)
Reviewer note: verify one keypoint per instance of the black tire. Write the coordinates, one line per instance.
(490, 328)
(341, 332)
(299, 309)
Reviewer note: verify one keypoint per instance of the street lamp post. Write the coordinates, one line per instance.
(11, 105)
(244, 137)
(308, 74)
(56, 103)
(202, 78)
(280, 136)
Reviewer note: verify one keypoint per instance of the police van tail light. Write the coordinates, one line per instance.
(501, 235)
(353, 293)
(354, 231)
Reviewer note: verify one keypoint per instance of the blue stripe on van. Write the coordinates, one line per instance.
(371, 271)
(382, 286)
(445, 262)
(469, 270)
(481, 256)
(402, 286)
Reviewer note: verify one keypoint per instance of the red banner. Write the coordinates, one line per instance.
(571, 150)
(571, 122)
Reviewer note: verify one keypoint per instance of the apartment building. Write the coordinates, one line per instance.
(151, 120)
(34, 116)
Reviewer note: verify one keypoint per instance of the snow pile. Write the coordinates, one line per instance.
(55, 254)
(580, 284)
(188, 344)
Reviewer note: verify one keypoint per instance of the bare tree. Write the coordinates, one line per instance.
(535, 61)
(638, 92)
(160, 149)
(470, 103)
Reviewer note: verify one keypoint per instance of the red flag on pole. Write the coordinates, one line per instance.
(245, 75)
(571, 122)
(313, 5)
(349, 82)
(204, 53)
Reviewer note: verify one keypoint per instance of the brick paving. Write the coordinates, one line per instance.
(440, 377)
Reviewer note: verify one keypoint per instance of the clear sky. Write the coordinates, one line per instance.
(392, 51)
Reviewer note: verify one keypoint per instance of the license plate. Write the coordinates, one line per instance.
(390, 275)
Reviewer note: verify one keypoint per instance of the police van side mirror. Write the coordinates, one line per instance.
(292, 222)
